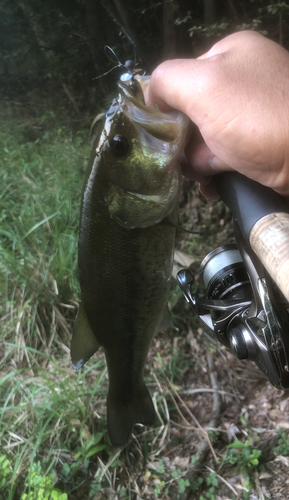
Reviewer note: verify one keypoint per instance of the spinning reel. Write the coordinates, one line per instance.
(242, 305)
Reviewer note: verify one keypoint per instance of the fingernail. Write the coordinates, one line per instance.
(208, 191)
(217, 164)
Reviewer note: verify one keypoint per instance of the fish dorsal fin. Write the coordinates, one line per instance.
(83, 343)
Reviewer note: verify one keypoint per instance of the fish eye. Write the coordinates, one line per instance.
(119, 145)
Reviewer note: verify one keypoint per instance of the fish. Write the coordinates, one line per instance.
(129, 212)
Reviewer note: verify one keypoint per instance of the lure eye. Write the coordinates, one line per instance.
(119, 145)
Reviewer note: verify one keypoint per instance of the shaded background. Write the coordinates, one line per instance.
(58, 46)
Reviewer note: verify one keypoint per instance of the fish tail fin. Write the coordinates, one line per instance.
(83, 343)
(122, 416)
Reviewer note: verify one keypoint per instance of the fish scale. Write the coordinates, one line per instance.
(125, 256)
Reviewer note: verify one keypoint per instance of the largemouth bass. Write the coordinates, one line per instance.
(126, 243)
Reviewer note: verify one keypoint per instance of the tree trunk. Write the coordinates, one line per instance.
(210, 11)
(127, 27)
(36, 29)
(96, 25)
(169, 32)
(38, 32)
(97, 39)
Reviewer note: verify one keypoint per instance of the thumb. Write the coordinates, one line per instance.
(181, 84)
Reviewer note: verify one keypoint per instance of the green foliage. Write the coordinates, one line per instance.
(212, 483)
(197, 484)
(214, 30)
(5, 471)
(42, 487)
(180, 481)
(174, 364)
(245, 458)
(53, 408)
(38, 40)
(43, 402)
(207, 486)
(283, 443)
(71, 472)
(160, 469)
(174, 483)
(39, 201)
(60, 44)
(276, 7)
(39, 485)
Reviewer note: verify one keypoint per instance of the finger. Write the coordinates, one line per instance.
(179, 84)
(203, 161)
(189, 172)
(209, 191)
(193, 163)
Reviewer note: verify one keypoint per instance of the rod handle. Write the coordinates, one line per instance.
(269, 239)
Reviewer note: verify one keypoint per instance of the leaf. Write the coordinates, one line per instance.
(98, 437)
(259, 430)
(96, 449)
(5, 464)
(237, 444)
(39, 224)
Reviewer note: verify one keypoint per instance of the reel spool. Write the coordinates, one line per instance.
(224, 274)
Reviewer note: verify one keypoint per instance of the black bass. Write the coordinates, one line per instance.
(126, 243)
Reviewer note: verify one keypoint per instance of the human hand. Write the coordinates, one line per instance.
(237, 94)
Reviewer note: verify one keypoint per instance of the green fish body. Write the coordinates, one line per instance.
(126, 244)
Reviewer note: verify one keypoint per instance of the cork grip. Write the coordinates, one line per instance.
(269, 238)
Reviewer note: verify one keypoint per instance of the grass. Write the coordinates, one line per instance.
(41, 182)
(40, 393)
(53, 436)
(43, 418)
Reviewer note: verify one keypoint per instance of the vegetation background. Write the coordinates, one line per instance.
(222, 430)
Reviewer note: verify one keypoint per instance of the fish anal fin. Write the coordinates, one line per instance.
(83, 343)
(122, 416)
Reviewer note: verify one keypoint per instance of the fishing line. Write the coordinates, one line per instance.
(129, 66)
(106, 5)
(106, 51)
(119, 64)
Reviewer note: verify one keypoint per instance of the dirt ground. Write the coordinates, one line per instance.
(251, 409)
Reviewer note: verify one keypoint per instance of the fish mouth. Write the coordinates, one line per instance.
(166, 127)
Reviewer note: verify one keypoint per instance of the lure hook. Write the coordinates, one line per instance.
(129, 66)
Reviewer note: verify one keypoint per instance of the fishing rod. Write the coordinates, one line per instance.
(128, 35)
(245, 304)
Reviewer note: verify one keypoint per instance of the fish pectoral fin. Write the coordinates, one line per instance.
(167, 320)
(83, 343)
(122, 416)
